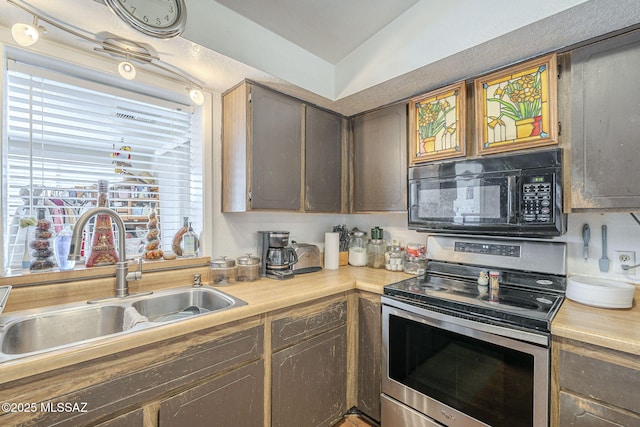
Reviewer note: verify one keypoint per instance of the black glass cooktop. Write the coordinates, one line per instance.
(530, 304)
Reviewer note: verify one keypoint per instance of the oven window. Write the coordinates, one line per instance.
(490, 383)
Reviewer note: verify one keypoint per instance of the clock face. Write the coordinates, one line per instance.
(157, 18)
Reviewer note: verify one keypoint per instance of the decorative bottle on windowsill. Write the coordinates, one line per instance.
(190, 243)
(103, 250)
(153, 250)
(41, 250)
(61, 245)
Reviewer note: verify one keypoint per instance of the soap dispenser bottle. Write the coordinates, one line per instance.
(190, 243)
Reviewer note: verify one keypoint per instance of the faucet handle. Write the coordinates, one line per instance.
(136, 275)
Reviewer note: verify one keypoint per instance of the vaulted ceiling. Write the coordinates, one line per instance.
(352, 55)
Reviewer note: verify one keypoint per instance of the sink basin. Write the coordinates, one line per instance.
(184, 303)
(56, 328)
(23, 333)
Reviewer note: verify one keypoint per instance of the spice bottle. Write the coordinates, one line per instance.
(494, 286)
(103, 250)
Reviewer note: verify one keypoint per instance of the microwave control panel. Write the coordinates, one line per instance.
(537, 204)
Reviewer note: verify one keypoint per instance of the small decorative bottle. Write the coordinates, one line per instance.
(190, 243)
(153, 250)
(103, 250)
(26, 223)
(41, 251)
(61, 245)
(176, 244)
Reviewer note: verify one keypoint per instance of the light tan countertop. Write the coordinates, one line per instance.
(617, 329)
(262, 296)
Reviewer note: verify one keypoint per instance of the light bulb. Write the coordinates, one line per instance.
(127, 70)
(196, 96)
(25, 34)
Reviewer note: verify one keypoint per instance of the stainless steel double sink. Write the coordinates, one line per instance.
(33, 331)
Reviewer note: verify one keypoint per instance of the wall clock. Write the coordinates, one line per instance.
(156, 18)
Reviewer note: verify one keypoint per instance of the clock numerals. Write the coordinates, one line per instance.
(162, 19)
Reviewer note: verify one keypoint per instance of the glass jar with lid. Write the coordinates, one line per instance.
(222, 270)
(376, 249)
(358, 248)
(415, 265)
(248, 268)
(394, 257)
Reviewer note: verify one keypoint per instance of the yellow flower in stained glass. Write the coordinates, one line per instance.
(520, 98)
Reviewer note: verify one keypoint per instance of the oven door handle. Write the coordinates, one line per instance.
(463, 326)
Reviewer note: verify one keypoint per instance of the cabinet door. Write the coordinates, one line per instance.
(380, 160)
(231, 400)
(309, 381)
(323, 161)
(605, 124)
(134, 418)
(369, 355)
(276, 150)
(578, 411)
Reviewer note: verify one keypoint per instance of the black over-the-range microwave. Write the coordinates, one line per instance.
(511, 194)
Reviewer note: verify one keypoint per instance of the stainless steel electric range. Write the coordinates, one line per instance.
(457, 353)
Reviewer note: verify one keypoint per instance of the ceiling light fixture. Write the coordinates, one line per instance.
(127, 70)
(196, 96)
(26, 35)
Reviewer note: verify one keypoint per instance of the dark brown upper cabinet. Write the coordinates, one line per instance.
(379, 164)
(279, 153)
(605, 124)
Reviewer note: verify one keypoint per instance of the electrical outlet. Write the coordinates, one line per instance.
(624, 258)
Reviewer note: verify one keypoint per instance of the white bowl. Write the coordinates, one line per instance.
(599, 292)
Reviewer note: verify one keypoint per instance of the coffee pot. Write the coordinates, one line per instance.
(281, 258)
(277, 256)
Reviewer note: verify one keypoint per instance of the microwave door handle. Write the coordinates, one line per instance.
(511, 199)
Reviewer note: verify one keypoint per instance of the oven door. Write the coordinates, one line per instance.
(443, 367)
(478, 202)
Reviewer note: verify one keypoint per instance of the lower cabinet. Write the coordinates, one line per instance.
(232, 399)
(202, 371)
(309, 365)
(594, 386)
(130, 419)
(311, 371)
(369, 354)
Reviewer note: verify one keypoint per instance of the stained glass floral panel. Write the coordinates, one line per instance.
(436, 123)
(517, 107)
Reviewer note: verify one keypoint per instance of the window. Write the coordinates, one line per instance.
(63, 134)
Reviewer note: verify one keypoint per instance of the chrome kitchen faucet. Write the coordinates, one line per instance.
(122, 267)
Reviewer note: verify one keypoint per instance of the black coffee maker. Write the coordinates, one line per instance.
(277, 257)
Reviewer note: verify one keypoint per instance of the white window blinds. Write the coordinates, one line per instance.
(64, 134)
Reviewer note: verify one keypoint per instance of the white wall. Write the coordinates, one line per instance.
(234, 235)
(623, 234)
